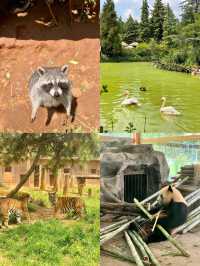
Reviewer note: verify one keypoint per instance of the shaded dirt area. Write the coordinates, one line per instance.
(164, 251)
(25, 45)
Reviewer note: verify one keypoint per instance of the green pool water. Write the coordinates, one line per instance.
(181, 90)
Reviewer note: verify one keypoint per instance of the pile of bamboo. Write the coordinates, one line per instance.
(141, 254)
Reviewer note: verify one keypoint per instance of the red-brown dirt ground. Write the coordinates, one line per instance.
(25, 45)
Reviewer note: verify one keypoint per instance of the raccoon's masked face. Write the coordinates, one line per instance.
(54, 81)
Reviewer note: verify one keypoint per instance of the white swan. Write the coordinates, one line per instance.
(168, 110)
(130, 101)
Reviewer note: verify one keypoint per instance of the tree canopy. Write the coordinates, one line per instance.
(110, 30)
(58, 148)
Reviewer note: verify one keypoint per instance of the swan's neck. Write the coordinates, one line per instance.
(163, 103)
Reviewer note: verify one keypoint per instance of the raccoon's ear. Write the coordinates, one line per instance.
(41, 70)
(64, 68)
(170, 188)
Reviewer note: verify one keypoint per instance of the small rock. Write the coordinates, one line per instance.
(8, 75)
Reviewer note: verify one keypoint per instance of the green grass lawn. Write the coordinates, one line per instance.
(54, 242)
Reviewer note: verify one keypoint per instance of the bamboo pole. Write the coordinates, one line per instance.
(102, 230)
(193, 200)
(117, 255)
(114, 233)
(194, 212)
(133, 250)
(192, 194)
(139, 246)
(110, 230)
(185, 225)
(149, 252)
(156, 220)
(192, 225)
(165, 233)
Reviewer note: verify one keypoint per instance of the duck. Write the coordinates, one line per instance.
(143, 89)
(130, 101)
(168, 110)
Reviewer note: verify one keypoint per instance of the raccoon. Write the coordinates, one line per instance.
(49, 87)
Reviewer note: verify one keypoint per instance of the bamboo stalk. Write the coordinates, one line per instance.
(109, 230)
(164, 232)
(185, 225)
(148, 250)
(192, 194)
(156, 220)
(139, 246)
(111, 226)
(193, 200)
(133, 250)
(192, 225)
(117, 255)
(114, 233)
(120, 212)
(194, 211)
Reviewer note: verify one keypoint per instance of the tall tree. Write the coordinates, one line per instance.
(170, 22)
(188, 14)
(121, 25)
(144, 25)
(157, 20)
(131, 30)
(110, 30)
(194, 4)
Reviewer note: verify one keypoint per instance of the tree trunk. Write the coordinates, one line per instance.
(43, 181)
(66, 185)
(26, 176)
(55, 187)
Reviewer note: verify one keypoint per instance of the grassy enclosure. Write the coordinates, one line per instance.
(54, 242)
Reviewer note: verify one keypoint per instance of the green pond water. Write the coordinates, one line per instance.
(181, 90)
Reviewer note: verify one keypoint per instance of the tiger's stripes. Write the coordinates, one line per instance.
(67, 204)
(8, 205)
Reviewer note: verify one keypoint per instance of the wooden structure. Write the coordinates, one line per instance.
(43, 178)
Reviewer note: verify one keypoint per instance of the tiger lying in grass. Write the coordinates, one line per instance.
(10, 206)
(67, 205)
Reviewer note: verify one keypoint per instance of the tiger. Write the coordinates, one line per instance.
(67, 204)
(10, 206)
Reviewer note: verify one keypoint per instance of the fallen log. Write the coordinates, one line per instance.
(139, 246)
(148, 250)
(165, 233)
(133, 250)
(117, 255)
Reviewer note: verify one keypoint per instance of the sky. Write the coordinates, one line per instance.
(126, 7)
